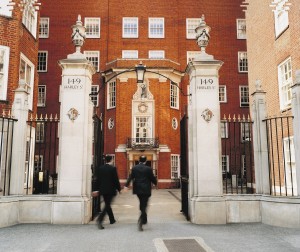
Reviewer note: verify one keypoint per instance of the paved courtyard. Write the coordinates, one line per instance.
(167, 230)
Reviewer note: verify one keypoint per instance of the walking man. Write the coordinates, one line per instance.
(107, 182)
(142, 177)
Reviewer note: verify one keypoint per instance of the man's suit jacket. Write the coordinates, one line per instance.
(107, 180)
(142, 177)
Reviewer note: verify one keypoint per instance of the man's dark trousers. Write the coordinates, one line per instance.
(143, 206)
(107, 209)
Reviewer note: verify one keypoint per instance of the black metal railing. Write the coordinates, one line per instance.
(6, 138)
(41, 155)
(237, 155)
(281, 156)
(142, 143)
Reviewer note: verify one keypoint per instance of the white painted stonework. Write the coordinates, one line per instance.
(207, 206)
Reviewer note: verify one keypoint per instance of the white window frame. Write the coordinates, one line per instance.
(93, 26)
(245, 131)
(130, 27)
(244, 96)
(94, 57)
(41, 96)
(285, 82)
(175, 166)
(290, 164)
(142, 128)
(243, 62)
(174, 95)
(38, 162)
(130, 54)
(5, 10)
(95, 95)
(156, 27)
(40, 132)
(30, 16)
(192, 55)
(224, 129)
(111, 94)
(225, 164)
(42, 61)
(191, 25)
(156, 54)
(241, 28)
(4, 65)
(29, 80)
(222, 94)
(281, 18)
(44, 27)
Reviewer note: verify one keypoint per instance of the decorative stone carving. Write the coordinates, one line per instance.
(207, 115)
(73, 114)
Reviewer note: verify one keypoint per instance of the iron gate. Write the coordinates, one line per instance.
(184, 168)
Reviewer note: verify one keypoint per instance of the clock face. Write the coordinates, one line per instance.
(143, 107)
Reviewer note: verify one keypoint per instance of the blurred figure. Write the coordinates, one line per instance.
(142, 177)
(107, 182)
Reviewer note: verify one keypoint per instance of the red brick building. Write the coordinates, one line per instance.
(144, 118)
(18, 50)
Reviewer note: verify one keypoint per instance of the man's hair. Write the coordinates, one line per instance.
(143, 159)
(108, 158)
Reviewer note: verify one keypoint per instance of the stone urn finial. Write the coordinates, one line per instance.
(202, 34)
(78, 35)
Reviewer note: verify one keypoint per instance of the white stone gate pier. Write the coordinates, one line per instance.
(73, 204)
(207, 205)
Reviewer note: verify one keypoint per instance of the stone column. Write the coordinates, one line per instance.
(75, 139)
(260, 148)
(20, 112)
(207, 205)
(296, 125)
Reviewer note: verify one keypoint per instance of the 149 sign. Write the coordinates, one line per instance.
(73, 83)
(205, 83)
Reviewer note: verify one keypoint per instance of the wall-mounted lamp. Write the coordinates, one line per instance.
(140, 70)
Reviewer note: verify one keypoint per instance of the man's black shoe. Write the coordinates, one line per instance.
(112, 222)
(140, 225)
(100, 226)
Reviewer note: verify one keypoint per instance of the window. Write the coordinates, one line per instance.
(156, 54)
(38, 163)
(41, 96)
(225, 164)
(174, 96)
(130, 27)
(222, 94)
(44, 28)
(26, 75)
(29, 18)
(192, 55)
(245, 131)
(40, 132)
(142, 129)
(94, 95)
(4, 63)
(224, 129)
(175, 166)
(244, 96)
(285, 82)
(4, 9)
(42, 61)
(243, 62)
(93, 56)
(156, 27)
(191, 25)
(290, 165)
(130, 54)
(92, 27)
(111, 95)
(241, 28)
(281, 17)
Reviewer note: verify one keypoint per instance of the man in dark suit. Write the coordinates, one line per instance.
(107, 182)
(142, 177)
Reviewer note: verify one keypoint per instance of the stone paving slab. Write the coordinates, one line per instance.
(165, 223)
